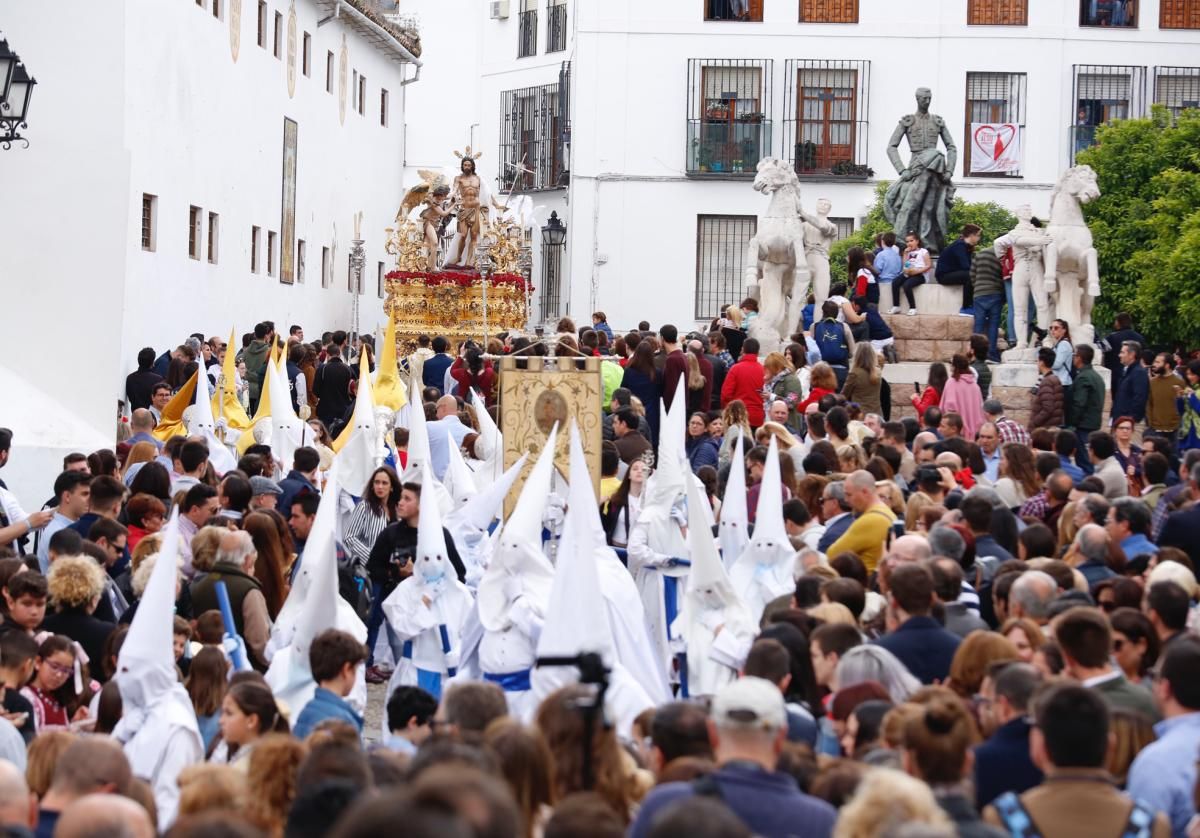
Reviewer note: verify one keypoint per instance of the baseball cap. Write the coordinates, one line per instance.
(749, 702)
(260, 485)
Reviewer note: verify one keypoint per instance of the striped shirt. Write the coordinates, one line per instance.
(364, 527)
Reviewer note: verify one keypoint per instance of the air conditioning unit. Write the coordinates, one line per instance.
(499, 9)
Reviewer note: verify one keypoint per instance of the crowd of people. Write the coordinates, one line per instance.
(785, 611)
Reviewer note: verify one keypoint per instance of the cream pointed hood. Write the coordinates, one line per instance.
(708, 581)
(734, 527)
(459, 480)
(520, 551)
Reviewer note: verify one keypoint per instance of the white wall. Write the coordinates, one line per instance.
(209, 133)
(141, 96)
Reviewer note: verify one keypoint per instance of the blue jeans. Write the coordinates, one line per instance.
(987, 321)
(1081, 452)
(1010, 327)
(374, 621)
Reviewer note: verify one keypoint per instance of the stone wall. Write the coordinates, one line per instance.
(925, 338)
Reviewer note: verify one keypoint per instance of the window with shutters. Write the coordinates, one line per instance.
(556, 26)
(1177, 88)
(1102, 93)
(829, 11)
(997, 12)
(214, 236)
(720, 260)
(994, 101)
(255, 243)
(1122, 13)
(262, 23)
(301, 258)
(825, 122)
(527, 29)
(1179, 14)
(326, 267)
(729, 102)
(744, 10)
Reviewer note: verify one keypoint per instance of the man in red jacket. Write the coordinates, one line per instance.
(745, 381)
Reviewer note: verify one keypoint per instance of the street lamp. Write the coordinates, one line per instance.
(14, 109)
(554, 236)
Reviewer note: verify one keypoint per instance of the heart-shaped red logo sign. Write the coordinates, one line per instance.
(994, 139)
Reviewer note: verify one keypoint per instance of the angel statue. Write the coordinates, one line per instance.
(432, 191)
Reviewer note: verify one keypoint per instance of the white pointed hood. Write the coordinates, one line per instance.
(708, 581)
(356, 459)
(459, 480)
(734, 527)
(313, 606)
(203, 425)
(668, 484)
(287, 428)
(479, 512)
(418, 439)
(146, 663)
(520, 551)
(577, 620)
(431, 566)
(491, 441)
(764, 570)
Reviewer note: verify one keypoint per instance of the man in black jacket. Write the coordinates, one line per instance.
(139, 385)
(332, 384)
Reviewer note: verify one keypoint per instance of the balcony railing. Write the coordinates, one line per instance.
(556, 27)
(727, 148)
(825, 118)
(528, 34)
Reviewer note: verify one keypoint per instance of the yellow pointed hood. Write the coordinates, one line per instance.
(172, 424)
(225, 401)
(389, 387)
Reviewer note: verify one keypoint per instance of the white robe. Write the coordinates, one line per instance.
(631, 635)
(511, 650)
(414, 621)
(713, 660)
(649, 567)
(159, 743)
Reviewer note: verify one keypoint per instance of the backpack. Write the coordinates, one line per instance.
(1019, 823)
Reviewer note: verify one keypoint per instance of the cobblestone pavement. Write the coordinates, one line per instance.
(373, 718)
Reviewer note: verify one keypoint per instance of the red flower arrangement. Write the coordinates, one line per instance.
(463, 279)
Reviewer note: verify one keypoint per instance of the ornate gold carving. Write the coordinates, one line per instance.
(421, 306)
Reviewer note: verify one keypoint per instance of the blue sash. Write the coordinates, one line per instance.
(427, 680)
(445, 635)
(510, 682)
(683, 675)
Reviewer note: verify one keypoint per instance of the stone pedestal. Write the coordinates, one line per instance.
(935, 299)
(930, 337)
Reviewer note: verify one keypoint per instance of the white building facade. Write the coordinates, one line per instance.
(643, 122)
(194, 166)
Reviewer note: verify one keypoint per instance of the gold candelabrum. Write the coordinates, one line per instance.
(458, 305)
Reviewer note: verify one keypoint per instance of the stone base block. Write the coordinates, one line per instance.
(938, 299)
(930, 337)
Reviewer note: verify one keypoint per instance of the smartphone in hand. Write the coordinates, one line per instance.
(917, 387)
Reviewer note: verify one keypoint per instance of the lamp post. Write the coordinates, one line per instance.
(554, 236)
(358, 259)
(16, 91)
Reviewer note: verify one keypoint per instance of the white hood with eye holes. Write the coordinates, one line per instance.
(765, 570)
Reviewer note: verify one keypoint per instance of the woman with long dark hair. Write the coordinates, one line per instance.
(642, 379)
(1064, 352)
(371, 515)
(700, 447)
(931, 396)
(621, 513)
(270, 561)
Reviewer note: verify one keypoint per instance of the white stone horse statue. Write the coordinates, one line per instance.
(777, 272)
(1072, 266)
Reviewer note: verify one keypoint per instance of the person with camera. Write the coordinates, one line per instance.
(390, 563)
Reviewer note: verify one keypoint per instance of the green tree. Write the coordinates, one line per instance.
(1146, 224)
(993, 218)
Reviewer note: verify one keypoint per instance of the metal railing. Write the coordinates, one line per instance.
(527, 37)
(825, 119)
(727, 148)
(556, 27)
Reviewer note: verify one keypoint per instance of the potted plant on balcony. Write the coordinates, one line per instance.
(806, 156)
(701, 155)
(753, 116)
(848, 168)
